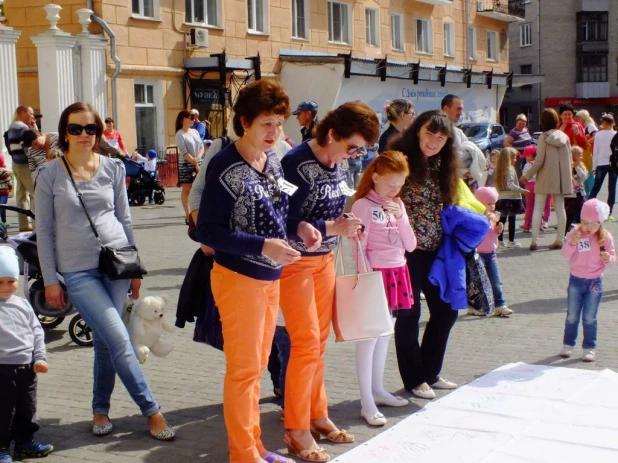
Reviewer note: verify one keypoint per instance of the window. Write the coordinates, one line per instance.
(525, 35)
(338, 22)
(449, 39)
(471, 43)
(525, 69)
(299, 19)
(372, 27)
(202, 12)
(146, 8)
(592, 68)
(397, 32)
(423, 36)
(145, 117)
(258, 15)
(592, 26)
(2, 11)
(527, 110)
(492, 46)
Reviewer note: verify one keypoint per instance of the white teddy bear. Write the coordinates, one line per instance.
(146, 326)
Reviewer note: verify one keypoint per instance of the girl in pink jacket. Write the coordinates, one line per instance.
(388, 235)
(589, 248)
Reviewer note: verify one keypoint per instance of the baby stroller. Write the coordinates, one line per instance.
(142, 185)
(34, 289)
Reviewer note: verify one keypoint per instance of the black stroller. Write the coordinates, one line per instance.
(141, 184)
(25, 245)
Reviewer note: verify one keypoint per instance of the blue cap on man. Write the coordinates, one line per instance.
(306, 106)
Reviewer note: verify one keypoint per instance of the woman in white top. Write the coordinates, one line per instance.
(191, 150)
(600, 161)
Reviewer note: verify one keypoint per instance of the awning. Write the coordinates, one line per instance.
(581, 102)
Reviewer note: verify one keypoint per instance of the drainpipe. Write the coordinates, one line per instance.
(538, 27)
(467, 18)
(114, 55)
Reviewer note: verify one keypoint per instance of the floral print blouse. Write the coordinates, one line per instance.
(424, 206)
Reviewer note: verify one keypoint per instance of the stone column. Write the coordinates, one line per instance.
(56, 72)
(93, 64)
(8, 79)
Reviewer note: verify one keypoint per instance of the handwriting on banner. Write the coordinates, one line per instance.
(423, 94)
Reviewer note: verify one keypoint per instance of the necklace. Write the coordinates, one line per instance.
(81, 175)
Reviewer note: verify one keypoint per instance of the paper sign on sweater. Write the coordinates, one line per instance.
(345, 189)
(287, 187)
(378, 215)
(583, 245)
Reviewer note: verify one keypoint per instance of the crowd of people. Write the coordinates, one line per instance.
(423, 208)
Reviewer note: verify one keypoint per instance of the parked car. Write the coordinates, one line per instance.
(486, 135)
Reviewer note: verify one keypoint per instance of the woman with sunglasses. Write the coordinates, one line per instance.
(319, 171)
(242, 216)
(400, 115)
(191, 149)
(67, 243)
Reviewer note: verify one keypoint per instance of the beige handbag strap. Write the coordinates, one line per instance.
(339, 257)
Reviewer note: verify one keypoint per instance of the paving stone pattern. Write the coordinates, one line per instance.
(188, 383)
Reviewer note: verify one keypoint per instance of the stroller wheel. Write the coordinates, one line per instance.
(50, 322)
(159, 197)
(138, 198)
(80, 332)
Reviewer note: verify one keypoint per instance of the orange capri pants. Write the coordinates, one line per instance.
(248, 310)
(307, 294)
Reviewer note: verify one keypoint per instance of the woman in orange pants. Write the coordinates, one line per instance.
(246, 226)
(317, 168)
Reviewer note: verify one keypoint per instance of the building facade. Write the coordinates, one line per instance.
(197, 53)
(574, 44)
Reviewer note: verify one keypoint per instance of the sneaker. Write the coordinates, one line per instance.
(5, 455)
(502, 244)
(32, 449)
(589, 356)
(525, 229)
(514, 244)
(566, 352)
(544, 225)
(610, 218)
(476, 313)
(503, 311)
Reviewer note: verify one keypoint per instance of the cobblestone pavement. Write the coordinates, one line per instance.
(188, 383)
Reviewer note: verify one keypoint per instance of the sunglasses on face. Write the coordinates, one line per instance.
(76, 129)
(276, 193)
(358, 150)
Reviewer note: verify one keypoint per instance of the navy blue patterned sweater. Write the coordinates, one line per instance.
(319, 197)
(240, 208)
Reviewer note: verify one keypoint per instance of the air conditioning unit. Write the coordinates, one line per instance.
(196, 37)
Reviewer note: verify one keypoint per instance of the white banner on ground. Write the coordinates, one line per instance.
(514, 414)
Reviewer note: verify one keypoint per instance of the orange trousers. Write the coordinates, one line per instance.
(248, 310)
(307, 295)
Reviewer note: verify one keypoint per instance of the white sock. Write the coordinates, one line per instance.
(364, 361)
(379, 361)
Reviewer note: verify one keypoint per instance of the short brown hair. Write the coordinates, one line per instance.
(346, 120)
(549, 119)
(63, 123)
(262, 96)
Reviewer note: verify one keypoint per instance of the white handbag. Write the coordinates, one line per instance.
(361, 309)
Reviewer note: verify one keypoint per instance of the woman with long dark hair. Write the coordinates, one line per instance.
(432, 184)
(191, 150)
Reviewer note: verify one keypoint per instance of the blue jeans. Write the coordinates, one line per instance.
(282, 340)
(100, 302)
(3, 200)
(584, 297)
(493, 272)
(599, 177)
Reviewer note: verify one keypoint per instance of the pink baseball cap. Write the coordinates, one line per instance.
(529, 151)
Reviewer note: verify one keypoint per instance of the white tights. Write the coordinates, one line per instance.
(370, 362)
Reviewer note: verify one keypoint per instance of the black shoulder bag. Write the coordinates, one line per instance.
(117, 263)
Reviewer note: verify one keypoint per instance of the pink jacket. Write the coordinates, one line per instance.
(584, 257)
(385, 239)
(490, 243)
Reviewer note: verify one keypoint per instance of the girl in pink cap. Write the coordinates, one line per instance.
(589, 248)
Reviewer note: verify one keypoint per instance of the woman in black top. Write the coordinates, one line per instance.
(400, 114)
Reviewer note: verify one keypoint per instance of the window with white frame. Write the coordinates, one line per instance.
(339, 22)
(471, 41)
(300, 15)
(202, 12)
(146, 120)
(372, 27)
(525, 35)
(258, 15)
(145, 8)
(397, 31)
(492, 46)
(423, 36)
(449, 39)
(2, 12)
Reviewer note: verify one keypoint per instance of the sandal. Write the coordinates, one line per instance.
(556, 245)
(296, 449)
(336, 437)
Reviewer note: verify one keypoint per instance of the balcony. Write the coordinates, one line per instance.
(502, 10)
(437, 2)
